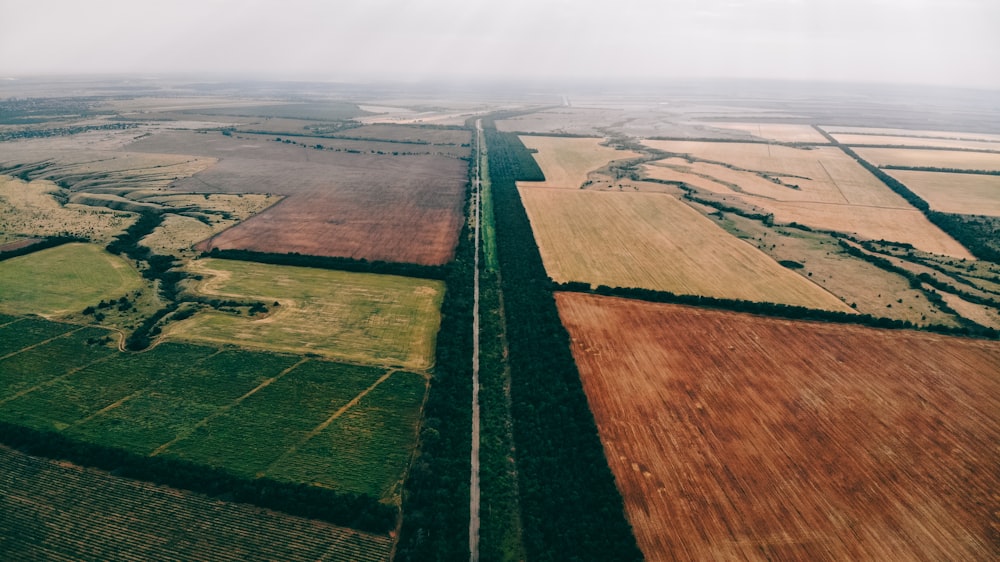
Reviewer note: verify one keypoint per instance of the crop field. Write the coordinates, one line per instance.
(370, 206)
(654, 241)
(781, 132)
(64, 279)
(409, 134)
(822, 174)
(913, 133)
(28, 209)
(56, 511)
(357, 317)
(346, 427)
(920, 158)
(568, 162)
(924, 142)
(734, 436)
(820, 187)
(971, 194)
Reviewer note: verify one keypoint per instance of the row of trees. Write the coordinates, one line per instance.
(570, 507)
(357, 511)
(438, 272)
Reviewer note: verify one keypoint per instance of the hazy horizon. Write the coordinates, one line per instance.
(919, 42)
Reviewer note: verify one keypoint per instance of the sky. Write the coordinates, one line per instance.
(934, 42)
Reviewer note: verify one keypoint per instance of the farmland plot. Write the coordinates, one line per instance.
(656, 242)
(249, 413)
(971, 194)
(365, 206)
(567, 162)
(912, 133)
(922, 142)
(64, 279)
(379, 319)
(919, 158)
(743, 437)
(781, 132)
(820, 187)
(103, 517)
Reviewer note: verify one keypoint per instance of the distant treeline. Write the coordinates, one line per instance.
(436, 497)
(63, 131)
(49, 242)
(437, 272)
(570, 507)
(350, 510)
(788, 311)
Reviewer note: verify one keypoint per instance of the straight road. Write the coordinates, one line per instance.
(474, 477)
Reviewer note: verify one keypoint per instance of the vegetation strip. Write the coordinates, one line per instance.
(436, 272)
(570, 506)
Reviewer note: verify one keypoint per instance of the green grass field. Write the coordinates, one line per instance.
(304, 420)
(63, 280)
(356, 317)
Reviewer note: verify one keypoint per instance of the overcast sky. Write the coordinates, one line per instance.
(944, 42)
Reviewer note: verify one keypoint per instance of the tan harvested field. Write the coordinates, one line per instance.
(921, 158)
(654, 241)
(737, 437)
(973, 194)
(568, 162)
(824, 174)
(28, 209)
(831, 191)
(912, 133)
(854, 139)
(58, 511)
(899, 225)
(781, 132)
(376, 207)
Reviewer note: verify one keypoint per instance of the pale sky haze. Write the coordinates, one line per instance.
(938, 42)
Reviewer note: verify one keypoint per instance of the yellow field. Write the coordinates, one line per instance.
(911, 133)
(28, 209)
(930, 158)
(974, 194)
(654, 241)
(567, 162)
(781, 132)
(899, 225)
(356, 317)
(854, 139)
(823, 174)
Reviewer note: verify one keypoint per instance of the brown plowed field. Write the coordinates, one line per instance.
(371, 206)
(737, 437)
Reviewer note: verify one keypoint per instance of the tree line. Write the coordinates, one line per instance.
(570, 506)
(357, 511)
